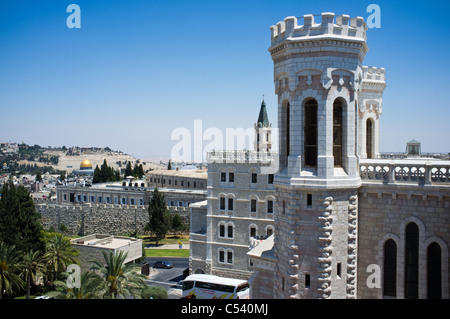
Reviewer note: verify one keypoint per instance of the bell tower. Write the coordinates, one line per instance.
(317, 75)
(263, 131)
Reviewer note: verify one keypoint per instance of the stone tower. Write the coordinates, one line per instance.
(263, 131)
(318, 77)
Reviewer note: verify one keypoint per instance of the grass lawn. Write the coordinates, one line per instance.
(166, 252)
(170, 240)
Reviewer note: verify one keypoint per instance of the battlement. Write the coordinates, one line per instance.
(373, 74)
(341, 26)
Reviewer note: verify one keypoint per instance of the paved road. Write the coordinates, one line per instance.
(168, 278)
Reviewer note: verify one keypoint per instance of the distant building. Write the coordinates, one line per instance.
(413, 148)
(118, 194)
(85, 168)
(183, 178)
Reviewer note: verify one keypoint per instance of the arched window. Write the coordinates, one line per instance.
(222, 200)
(434, 271)
(369, 138)
(286, 121)
(310, 126)
(221, 255)
(252, 230)
(221, 229)
(337, 132)
(230, 228)
(412, 261)
(229, 256)
(390, 268)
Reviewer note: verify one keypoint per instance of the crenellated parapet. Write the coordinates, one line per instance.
(331, 26)
(373, 74)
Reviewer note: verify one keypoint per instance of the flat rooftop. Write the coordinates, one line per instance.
(194, 173)
(104, 241)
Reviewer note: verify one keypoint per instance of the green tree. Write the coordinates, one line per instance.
(105, 172)
(169, 167)
(9, 272)
(96, 177)
(19, 222)
(38, 176)
(31, 266)
(59, 253)
(159, 218)
(176, 223)
(128, 170)
(9, 205)
(28, 222)
(119, 279)
(90, 287)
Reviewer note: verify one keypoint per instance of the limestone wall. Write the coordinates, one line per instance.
(89, 219)
(384, 212)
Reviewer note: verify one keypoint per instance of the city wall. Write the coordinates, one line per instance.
(87, 219)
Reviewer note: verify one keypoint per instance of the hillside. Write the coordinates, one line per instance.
(116, 160)
(22, 158)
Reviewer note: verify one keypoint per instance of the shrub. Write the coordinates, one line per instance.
(154, 292)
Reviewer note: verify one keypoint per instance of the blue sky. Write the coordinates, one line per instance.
(137, 70)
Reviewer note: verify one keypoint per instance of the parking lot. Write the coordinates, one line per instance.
(168, 278)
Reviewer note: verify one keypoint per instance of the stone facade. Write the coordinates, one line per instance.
(239, 209)
(182, 179)
(90, 219)
(119, 195)
(348, 224)
(386, 210)
(92, 247)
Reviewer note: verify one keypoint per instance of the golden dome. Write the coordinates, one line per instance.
(86, 164)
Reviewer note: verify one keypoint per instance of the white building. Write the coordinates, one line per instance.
(239, 210)
(340, 209)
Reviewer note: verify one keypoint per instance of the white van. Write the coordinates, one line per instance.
(201, 286)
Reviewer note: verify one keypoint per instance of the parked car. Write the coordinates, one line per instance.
(163, 264)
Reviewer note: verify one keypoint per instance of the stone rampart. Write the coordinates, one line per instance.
(109, 219)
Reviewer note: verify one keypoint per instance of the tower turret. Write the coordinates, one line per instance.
(319, 77)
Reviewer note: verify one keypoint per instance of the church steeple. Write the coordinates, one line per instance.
(263, 119)
(263, 131)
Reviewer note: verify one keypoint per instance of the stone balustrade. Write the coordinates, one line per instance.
(417, 171)
(244, 157)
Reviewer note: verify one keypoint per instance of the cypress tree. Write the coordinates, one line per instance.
(96, 177)
(19, 222)
(28, 222)
(128, 170)
(8, 214)
(159, 218)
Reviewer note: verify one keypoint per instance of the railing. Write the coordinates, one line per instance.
(240, 157)
(422, 172)
(421, 156)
